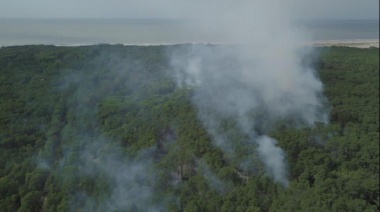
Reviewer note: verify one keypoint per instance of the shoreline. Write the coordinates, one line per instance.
(358, 43)
(353, 43)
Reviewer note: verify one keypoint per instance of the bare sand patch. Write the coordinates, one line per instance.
(349, 43)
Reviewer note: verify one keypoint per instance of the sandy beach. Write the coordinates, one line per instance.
(349, 43)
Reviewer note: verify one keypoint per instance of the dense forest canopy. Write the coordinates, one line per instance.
(106, 128)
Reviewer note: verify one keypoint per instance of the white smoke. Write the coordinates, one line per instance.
(130, 179)
(273, 157)
(257, 81)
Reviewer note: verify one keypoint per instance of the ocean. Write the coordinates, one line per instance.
(344, 29)
(150, 31)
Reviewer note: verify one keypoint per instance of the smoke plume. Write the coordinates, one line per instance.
(94, 169)
(257, 80)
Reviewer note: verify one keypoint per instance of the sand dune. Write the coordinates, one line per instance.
(349, 43)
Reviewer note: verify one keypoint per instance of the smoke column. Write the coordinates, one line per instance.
(257, 80)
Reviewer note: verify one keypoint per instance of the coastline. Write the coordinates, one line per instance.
(355, 43)
(358, 43)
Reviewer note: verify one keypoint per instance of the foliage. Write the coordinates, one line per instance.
(56, 100)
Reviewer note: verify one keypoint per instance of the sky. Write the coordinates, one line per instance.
(176, 9)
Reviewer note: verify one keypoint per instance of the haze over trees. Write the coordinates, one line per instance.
(106, 128)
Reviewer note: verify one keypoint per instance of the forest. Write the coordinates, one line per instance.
(106, 128)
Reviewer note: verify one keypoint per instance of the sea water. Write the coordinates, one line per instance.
(152, 31)
(343, 29)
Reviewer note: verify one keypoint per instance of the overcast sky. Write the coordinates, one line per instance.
(305, 9)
